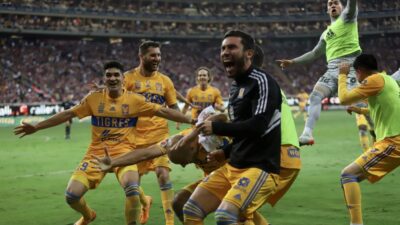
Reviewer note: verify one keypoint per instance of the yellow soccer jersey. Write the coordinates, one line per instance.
(205, 98)
(113, 120)
(157, 89)
(303, 97)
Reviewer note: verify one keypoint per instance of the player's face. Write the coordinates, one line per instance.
(334, 8)
(113, 79)
(232, 56)
(151, 59)
(203, 77)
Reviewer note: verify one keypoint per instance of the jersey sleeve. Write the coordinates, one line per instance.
(170, 92)
(189, 95)
(83, 108)
(218, 97)
(371, 86)
(128, 82)
(142, 107)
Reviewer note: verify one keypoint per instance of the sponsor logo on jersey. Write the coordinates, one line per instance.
(241, 93)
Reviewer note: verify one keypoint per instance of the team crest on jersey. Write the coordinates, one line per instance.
(100, 108)
(138, 85)
(158, 87)
(203, 97)
(209, 98)
(148, 84)
(125, 109)
(241, 93)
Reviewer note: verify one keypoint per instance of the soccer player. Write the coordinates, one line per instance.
(67, 104)
(114, 112)
(183, 148)
(203, 94)
(244, 183)
(383, 96)
(303, 98)
(339, 42)
(159, 89)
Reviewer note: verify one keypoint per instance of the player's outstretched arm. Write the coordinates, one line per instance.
(27, 129)
(350, 11)
(138, 155)
(174, 115)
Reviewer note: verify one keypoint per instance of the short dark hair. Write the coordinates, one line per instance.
(145, 45)
(366, 61)
(247, 40)
(210, 77)
(258, 57)
(113, 64)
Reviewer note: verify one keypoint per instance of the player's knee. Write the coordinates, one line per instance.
(163, 176)
(131, 189)
(166, 186)
(178, 204)
(71, 197)
(348, 176)
(316, 97)
(192, 210)
(225, 217)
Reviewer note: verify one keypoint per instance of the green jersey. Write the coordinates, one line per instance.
(288, 128)
(385, 109)
(341, 39)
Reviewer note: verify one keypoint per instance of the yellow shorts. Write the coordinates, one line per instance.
(150, 165)
(285, 181)
(290, 157)
(361, 120)
(91, 178)
(381, 159)
(248, 189)
(192, 186)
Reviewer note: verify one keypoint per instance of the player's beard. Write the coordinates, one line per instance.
(149, 66)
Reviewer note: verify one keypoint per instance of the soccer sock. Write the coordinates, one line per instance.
(224, 217)
(314, 110)
(142, 197)
(167, 196)
(364, 140)
(192, 213)
(132, 204)
(259, 219)
(67, 131)
(352, 196)
(79, 204)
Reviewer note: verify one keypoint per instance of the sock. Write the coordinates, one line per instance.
(67, 131)
(167, 196)
(132, 204)
(314, 110)
(224, 217)
(142, 197)
(364, 140)
(352, 196)
(259, 219)
(79, 204)
(192, 213)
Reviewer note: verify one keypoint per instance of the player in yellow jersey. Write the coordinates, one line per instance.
(383, 96)
(203, 94)
(303, 98)
(159, 89)
(114, 115)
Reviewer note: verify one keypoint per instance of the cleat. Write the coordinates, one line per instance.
(305, 139)
(82, 220)
(144, 216)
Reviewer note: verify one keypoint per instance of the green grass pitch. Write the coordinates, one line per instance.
(34, 172)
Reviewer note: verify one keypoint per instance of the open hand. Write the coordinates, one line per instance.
(25, 129)
(283, 63)
(344, 68)
(205, 127)
(217, 155)
(104, 164)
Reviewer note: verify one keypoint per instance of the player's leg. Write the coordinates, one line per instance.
(250, 190)
(319, 92)
(259, 219)
(350, 178)
(129, 179)
(181, 197)
(68, 129)
(146, 201)
(167, 194)
(206, 197)
(83, 179)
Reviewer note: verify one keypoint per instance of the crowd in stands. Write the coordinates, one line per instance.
(197, 8)
(45, 70)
